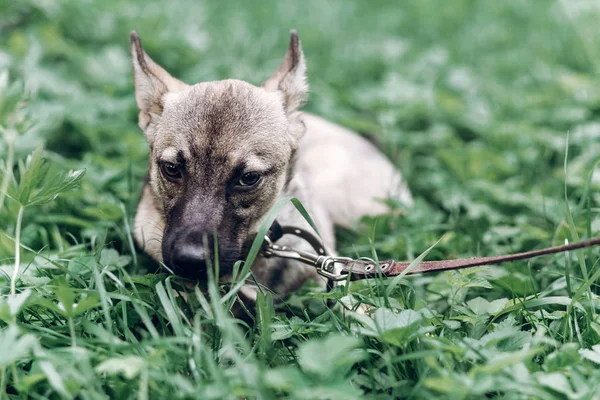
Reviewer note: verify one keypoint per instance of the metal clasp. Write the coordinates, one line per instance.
(325, 265)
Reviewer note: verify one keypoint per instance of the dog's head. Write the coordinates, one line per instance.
(220, 154)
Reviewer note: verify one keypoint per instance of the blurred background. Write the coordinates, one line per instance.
(474, 101)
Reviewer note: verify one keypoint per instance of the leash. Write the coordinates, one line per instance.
(362, 269)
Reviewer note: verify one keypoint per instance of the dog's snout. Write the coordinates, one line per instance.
(189, 260)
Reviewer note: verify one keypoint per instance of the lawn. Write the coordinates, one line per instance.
(490, 108)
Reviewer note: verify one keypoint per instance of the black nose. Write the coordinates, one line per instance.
(189, 261)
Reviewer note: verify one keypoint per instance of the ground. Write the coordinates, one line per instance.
(490, 109)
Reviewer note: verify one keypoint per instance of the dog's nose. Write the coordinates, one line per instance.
(190, 261)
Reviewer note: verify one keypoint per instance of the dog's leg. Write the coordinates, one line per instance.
(149, 225)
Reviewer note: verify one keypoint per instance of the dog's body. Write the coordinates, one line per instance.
(222, 154)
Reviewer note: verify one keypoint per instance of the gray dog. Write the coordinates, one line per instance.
(221, 155)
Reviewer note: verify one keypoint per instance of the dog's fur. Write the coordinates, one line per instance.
(211, 134)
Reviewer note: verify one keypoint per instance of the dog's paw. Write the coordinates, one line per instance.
(351, 304)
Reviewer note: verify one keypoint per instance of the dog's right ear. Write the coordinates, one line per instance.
(151, 83)
(290, 77)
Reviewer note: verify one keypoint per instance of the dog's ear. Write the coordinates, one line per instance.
(151, 83)
(290, 77)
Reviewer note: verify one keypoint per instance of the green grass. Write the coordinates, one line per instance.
(476, 101)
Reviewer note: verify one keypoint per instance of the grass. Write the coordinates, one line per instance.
(491, 110)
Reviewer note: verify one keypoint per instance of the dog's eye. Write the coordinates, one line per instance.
(170, 171)
(249, 179)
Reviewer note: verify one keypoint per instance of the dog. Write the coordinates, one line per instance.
(221, 155)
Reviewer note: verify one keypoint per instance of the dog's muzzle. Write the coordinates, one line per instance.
(189, 261)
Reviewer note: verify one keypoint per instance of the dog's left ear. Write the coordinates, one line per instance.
(151, 82)
(290, 78)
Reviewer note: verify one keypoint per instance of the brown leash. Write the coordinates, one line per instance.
(363, 269)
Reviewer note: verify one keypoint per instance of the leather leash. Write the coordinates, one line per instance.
(362, 269)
